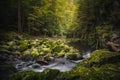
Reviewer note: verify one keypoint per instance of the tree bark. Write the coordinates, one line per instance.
(19, 17)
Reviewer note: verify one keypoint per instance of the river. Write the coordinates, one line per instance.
(61, 64)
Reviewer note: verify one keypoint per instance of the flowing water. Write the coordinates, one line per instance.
(61, 64)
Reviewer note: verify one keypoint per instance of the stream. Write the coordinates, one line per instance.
(61, 64)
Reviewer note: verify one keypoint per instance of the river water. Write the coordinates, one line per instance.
(61, 64)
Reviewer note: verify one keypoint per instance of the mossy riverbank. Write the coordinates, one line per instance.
(102, 65)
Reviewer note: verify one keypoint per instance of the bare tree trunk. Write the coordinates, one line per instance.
(19, 17)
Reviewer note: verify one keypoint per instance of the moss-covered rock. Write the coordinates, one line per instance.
(101, 57)
(102, 65)
(73, 54)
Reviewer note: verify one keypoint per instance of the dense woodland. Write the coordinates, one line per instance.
(25, 25)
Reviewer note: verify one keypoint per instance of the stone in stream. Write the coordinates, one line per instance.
(42, 62)
(36, 66)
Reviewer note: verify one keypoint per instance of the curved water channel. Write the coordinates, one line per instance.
(61, 64)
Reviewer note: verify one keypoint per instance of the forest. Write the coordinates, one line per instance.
(60, 40)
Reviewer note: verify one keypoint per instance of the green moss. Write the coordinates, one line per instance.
(30, 75)
(73, 56)
(100, 57)
(102, 65)
(68, 76)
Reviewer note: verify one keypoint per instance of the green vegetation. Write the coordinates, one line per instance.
(29, 75)
(44, 48)
(38, 17)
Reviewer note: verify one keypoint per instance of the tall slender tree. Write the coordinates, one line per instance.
(19, 17)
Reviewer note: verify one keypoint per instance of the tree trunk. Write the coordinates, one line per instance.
(19, 17)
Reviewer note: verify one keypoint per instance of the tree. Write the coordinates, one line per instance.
(19, 17)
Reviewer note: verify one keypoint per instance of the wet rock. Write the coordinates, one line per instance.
(36, 66)
(42, 62)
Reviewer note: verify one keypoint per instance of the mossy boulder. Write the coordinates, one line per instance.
(101, 57)
(102, 65)
(73, 54)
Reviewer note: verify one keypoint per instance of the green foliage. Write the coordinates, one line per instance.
(48, 17)
(45, 47)
(38, 48)
(22, 45)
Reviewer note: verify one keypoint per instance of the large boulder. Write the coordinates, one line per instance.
(102, 65)
(101, 57)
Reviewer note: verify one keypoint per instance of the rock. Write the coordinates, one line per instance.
(73, 56)
(101, 57)
(42, 62)
(36, 66)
